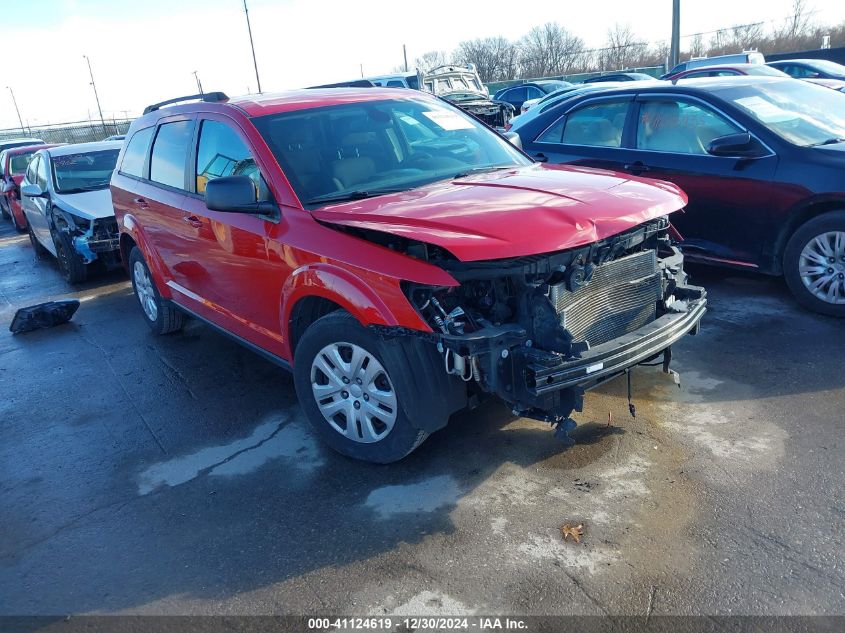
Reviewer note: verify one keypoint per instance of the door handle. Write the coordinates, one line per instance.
(637, 167)
(140, 202)
(193, 220)
(541, 157)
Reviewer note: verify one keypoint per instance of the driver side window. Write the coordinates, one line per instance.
(31, 170)
(41, 174)
(679, 127)
(221, 152)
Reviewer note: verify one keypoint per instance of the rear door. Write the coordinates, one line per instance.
(590, 134)
(729, 198)
(236, 284)
(159, 200)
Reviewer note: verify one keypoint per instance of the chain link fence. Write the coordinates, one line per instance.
(74, 132)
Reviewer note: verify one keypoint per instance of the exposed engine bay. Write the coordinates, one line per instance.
(92, 239)
(540, 330)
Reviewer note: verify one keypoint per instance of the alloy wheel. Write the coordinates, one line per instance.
(353, 392)
(144, 290)
(822, 267)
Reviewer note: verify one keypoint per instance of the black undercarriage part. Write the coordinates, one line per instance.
(43, 315)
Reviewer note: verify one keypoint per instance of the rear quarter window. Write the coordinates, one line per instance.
(136, 153)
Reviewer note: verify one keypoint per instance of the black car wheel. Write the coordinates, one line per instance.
(350, 395)
(40, 251)
(814, 264)
(70, 262)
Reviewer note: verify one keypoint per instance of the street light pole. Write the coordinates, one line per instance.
(199, 83)
(675, 49)
(15, 101)
(96, 96)
(252, 46)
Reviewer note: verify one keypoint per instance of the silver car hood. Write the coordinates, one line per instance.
(91, 205)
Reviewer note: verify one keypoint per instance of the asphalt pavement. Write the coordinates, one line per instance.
(176, 475)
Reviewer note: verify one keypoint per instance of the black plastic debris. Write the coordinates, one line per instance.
(44, 315)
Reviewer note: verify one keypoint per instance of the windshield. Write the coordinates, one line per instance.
(828, 67)
(379, 146)
(75, 173)
(760, 69)
(799, 112)
(19, 162)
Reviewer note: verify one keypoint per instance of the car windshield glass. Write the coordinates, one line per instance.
(75, 173)
(825, 66)
(799, 112)
(760, 69)
(379, 146)
(19, 162)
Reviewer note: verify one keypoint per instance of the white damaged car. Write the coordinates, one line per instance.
(66, 199)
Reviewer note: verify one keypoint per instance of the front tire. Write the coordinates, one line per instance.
(814, 264)
(162, 317)
(73, 268)
(40, 251)
(350, 395)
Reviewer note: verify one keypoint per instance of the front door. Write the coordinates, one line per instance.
(728, 196)
(234, 284)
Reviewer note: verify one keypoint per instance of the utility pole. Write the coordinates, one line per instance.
(199, 83)
(96, 96)
(675, 49)
(252, 46)
(362, 71)
(15, 101)
(405, 55)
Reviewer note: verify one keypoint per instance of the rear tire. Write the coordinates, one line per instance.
(160, 315)
(73, 268)
(814, 264)
(352, 397)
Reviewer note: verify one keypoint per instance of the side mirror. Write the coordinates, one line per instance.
(741, 145)
(514, 139)
(32, 191)
(235, 194)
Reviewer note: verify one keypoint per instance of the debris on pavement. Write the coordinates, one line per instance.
(43, 315)
(575, 531)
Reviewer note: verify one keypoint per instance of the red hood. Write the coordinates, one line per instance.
(523, 211)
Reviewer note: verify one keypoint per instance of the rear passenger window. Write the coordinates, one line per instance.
(221, 152)
(600, 124)
(136, 153)
(170, 153)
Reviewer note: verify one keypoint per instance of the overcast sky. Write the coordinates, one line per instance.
(144, 51)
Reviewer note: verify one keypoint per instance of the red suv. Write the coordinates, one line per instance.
(400, 257)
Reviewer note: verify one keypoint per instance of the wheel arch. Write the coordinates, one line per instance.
(806, 211)
(130, 236)
(318, 289)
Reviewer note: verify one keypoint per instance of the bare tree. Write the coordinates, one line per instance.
(495, 58)
(622, 50)
(798, 23)
(431, 59)
(549, 50)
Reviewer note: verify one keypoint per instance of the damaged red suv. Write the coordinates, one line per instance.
(398, 256)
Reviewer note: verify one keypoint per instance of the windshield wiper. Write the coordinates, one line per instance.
(353, 195)
(481, 170)
(830, 141)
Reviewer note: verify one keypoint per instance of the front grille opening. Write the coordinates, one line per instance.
(621, 297)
